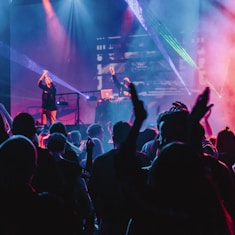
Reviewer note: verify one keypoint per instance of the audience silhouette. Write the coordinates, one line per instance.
(22, 209)
(174, 180)
(177, 197)
(225, 145)
(96, 132)
(71, 185)
(54, 176)
(109, 202)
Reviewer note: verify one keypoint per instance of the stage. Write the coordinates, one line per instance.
(78, 41)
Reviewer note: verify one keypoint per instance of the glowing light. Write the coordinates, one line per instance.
(149, 26)
(213, 88)
(56, 34)
(127, 22)
(48, 9)
(26, 62)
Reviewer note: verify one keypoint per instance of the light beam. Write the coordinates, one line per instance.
(149, 26)
(31, 65)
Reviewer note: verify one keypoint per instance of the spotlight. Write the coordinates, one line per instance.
(91, 98)
(62, 103)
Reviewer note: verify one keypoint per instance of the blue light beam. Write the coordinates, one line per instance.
(26, 62)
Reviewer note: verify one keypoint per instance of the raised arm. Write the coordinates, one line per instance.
(43, 76)
(139, 112)
(207, 126)
(115, 80)
(126, 161)
(112, 70)
(199, 110)
(48, 84)
(89, 149)
(201, 106)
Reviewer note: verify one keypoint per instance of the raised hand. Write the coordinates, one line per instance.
(43, 76)
(140, 112)
(111, 70)
(207, 115)
(201, 106)
(179, 105)
(89, 144)
(89, 149)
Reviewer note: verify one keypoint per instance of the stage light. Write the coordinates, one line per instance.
(152, 25)
(26, 62)
(62, 103)
(155, 27)
(91, 98)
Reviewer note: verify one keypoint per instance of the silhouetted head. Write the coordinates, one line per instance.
(120, 132)
(173, 126)
(95, 130)
(24, 124)
(58, 127)
(75, 137)
(225, 142)
(56, 142)
(18, 159)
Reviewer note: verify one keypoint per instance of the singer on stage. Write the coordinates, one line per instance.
(49, 108)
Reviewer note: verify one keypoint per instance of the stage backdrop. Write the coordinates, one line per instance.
(76, 41)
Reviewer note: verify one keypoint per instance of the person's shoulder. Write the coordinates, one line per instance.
(70, 154)
(107, 156)
(42, 150)
(96, 140)
(216, 166)
(43, 154)
(147, 144)
(143, 158)
(98, 146)
(70, 147)
(73, 147)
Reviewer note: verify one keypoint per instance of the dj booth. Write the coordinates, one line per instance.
(113, 110)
